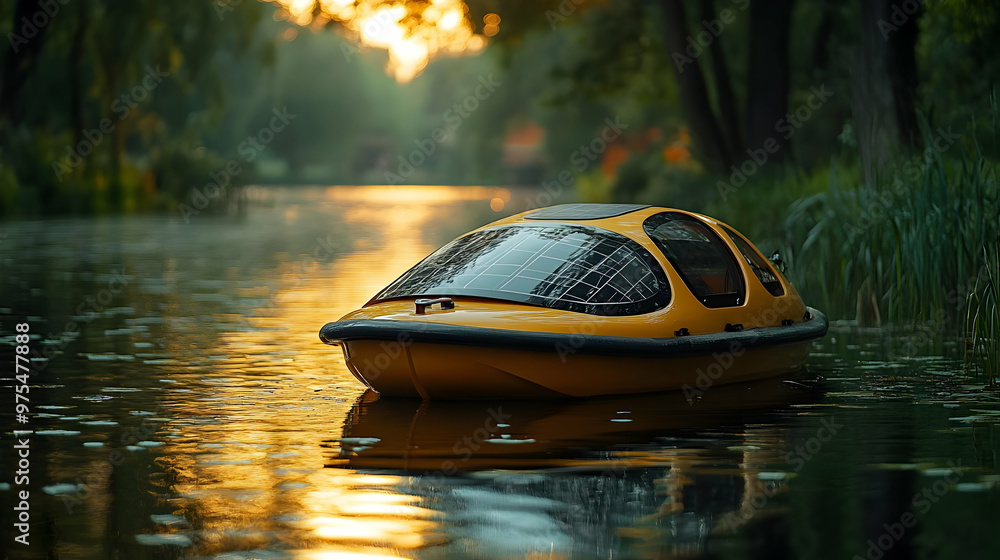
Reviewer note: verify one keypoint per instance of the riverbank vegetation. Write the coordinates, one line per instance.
(857, 138)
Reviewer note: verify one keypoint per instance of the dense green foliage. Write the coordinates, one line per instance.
(874, 225)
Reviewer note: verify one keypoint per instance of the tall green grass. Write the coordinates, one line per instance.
(905, 249)
(983, 318)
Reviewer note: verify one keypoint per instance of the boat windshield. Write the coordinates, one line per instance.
(700, 257)
(761, 269)
(561, 266)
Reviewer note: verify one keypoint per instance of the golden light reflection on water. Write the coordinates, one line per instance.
(246, 452)
(271, 446)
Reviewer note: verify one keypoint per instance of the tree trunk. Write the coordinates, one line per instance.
(901, 68)
(729, 120)
(710, 146)
(821, 41)
(769, 73)
(883, 83)
(73, 69)
(20, 60)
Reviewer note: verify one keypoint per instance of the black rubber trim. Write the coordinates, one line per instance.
(644, 347)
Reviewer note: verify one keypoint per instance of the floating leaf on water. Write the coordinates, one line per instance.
(359, 440)
(108, 357)
(115, 332)
(510, 441)
(141, 413)
(168, 519)
(93, 398)
(93, 444)
(63, 488)
(135, 448)
(120, 311)
(100, 423)
(175, 539)
(150, 443)
(773, 475)
(621, 419)
(973, 486)
(57, 432)
(144, 321)
(742, 448)
(282, 455)
(903, 466)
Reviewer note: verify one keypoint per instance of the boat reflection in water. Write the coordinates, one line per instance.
(650, 476)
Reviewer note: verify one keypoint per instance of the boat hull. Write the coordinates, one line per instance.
(398, 358)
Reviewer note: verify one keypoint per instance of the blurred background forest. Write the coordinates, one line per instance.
(859, 137)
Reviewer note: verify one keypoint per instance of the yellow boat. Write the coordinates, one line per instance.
(580, 300)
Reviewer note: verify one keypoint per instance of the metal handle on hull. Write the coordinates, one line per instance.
(422, 304)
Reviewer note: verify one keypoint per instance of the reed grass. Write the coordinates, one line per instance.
(983, 319)
(906, 249)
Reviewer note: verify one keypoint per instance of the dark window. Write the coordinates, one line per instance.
(760, 267)
(562, 266)
(700, 257)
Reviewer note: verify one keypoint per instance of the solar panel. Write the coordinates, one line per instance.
(583, 211)
(577, 268)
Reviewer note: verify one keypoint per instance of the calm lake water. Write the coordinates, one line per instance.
(188, 410)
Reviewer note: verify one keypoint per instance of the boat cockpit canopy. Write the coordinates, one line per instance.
(561, 266)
